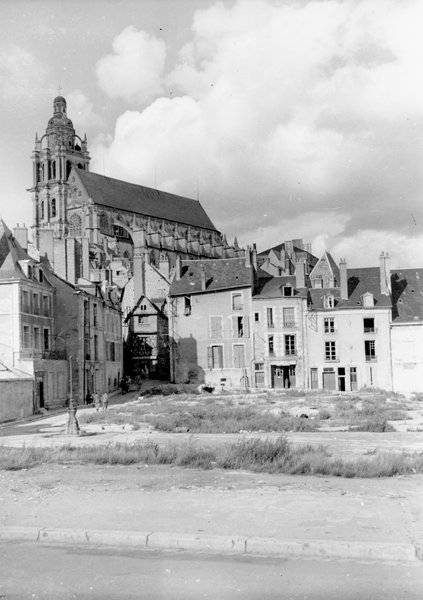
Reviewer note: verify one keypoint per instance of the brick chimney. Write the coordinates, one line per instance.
(139, 274)
(344, 279)
(385, 274)
(248, 256)
(300, 273)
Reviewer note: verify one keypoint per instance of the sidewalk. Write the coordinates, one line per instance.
(171, 508)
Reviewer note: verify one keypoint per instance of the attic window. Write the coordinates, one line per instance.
(287, 291)
(328, 301)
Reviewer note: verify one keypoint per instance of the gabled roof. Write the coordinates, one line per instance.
(221, 274)
(10, 253)
(139, 199)
(407, 295)
(333, 267)
(273, 288)
(360, 281)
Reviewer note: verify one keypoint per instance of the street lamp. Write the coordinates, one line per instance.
(72, 426)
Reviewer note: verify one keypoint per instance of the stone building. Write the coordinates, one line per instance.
(98, 230)
(28, 343)
(210, 322)
(88, 225)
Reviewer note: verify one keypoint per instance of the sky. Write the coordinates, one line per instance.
(285, 118)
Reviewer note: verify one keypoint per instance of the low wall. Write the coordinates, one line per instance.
(16, 399)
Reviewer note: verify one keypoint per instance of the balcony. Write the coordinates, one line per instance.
(371, 358)
(35, 353)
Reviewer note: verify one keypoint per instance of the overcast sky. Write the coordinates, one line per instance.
(286, 118)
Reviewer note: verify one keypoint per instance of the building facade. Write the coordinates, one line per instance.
(210, 322)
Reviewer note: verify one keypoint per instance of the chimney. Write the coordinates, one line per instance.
(385, 274)
(21, 236)
(178, 267)
(248, 256)
(203, 277)
(344, 279)
(300, 274)
(139, 275)
(254, 257)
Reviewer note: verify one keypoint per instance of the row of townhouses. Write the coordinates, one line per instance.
(56, 339)
(121, 279)
(313, 325)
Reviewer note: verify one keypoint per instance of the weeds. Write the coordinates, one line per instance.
(270, 456)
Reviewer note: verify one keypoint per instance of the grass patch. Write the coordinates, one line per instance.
(210, 416)
(270, 456)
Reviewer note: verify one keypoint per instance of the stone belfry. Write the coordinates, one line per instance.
(54, 155)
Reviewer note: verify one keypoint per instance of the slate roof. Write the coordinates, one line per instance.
(407, 295)
(10, 253)
(327, 256)
(139, 199)
(360, 281)
(221, 274)
(272, 288)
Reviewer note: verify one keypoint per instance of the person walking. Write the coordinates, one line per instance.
(96, 401)
(105, 400)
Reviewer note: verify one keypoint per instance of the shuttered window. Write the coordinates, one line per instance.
(239, 356)
(216, 327)
(215, 357)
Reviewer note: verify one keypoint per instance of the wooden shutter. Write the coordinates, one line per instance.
(246, 326)
(210, 357)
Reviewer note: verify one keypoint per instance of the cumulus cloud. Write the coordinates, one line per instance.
(82, 110)
(287, 117)
(134, 71)
(21, 74)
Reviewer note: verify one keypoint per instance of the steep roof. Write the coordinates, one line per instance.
(10, 253)
(221, 274)
(360, 281)
(272, 288)
(139, 199)
(320, 267)
(407, 295)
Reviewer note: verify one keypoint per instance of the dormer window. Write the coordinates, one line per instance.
(368, 300)
(328, 301)
(287, 291)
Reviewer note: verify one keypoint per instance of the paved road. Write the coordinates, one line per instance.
(46, 573)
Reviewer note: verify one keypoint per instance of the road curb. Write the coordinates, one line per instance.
(239, 545)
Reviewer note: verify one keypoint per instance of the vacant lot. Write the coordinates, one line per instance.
(265, 412)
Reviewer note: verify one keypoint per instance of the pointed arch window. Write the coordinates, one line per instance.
(53, 207)
(42, 210)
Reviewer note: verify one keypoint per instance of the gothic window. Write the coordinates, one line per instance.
(68, 167)
(42, 210)
(75, 226)
(104, 224)
(53, 207)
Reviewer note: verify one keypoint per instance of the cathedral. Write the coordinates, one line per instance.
(90, 226)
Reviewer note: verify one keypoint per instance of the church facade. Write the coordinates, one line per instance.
(96, 230)
(90, 226)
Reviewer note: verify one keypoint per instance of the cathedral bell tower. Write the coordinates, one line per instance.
(54, 155)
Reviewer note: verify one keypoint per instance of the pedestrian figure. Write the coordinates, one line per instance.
(97, 402)
(105, 400)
